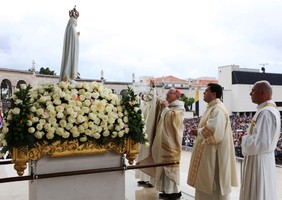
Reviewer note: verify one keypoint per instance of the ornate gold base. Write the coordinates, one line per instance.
(71, 148)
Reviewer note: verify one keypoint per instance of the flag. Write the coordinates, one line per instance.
(197, 101)
(1, 119)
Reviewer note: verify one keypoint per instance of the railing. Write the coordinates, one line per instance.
(239, 159)
(34, 176)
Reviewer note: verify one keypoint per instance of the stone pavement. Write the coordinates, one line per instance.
(19, 190)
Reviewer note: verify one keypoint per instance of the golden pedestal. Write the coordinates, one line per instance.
(71, 148)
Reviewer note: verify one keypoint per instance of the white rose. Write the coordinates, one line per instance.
(53, 120)
(90, 124)
(71, 119)
(5, 130)
(70, 110)
(111, 120)
(106, 133)
(125, 119)
(50, 108)
(117, 128)
(97, 135)
(51, 130)
(63, 123)
(39, 127)
(105, 118)
(47, 126)
(59, 131)
(85, 125)
(69, 126)
(87, 96)
(66, 134)
(136, 109)
(60, 115)
(49, 136)
(120, 114)
(97, 121)
(60, 108)
(95, 95)
(126, 130)
(71, 86)
(57, 102)
(4, 143)
(120, 134)
(80, 119)
(42, 121)
(10, 116)
(122, 125)
(147, 144)
(16, 111)
(114, 135)
(18, 101)
(38, 134)
(104, 124)
(81, 129)
(35, 119)
(88, 132)
(23, 86)
(81, 97)
(52, 113)
(83, 139)
(75, 133)
(92, 116)
(119, 108)
(85, 109)
(73, 114)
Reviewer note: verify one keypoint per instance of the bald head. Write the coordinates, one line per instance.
(261, 92)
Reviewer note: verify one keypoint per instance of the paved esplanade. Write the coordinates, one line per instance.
(19, 190)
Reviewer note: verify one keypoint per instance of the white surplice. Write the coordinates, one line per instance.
(149, 113)
(259, 179)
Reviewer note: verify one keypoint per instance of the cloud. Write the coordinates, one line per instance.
(185, 38)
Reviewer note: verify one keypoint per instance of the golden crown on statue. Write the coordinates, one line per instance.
(74, 13)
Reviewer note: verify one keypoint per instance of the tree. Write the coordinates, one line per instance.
(188, 102)
(46, 71)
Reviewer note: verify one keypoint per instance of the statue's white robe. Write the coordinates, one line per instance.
(69, 62)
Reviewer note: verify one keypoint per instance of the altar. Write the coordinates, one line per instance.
(104, 185)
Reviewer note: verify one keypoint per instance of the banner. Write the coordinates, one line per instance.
(197, 101)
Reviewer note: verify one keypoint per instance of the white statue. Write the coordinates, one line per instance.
(69, 62)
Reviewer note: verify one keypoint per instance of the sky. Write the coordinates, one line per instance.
(183, 38)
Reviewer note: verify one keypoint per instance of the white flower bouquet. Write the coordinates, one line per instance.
(67, 111)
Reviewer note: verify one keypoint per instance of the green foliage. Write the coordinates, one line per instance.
(18, 135)
(188, 102)
(46, 71)
(130, 102)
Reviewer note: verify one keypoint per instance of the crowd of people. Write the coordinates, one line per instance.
(239, 125)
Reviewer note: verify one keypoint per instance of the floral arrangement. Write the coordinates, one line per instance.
(71, 111)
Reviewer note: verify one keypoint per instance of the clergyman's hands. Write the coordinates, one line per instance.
(164, 104)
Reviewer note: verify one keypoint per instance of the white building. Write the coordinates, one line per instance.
(237, 84)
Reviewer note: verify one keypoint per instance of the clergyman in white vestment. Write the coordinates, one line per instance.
(167, 147)
(69, 62)
(259, 173)
(149, 109)
(212, 170)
